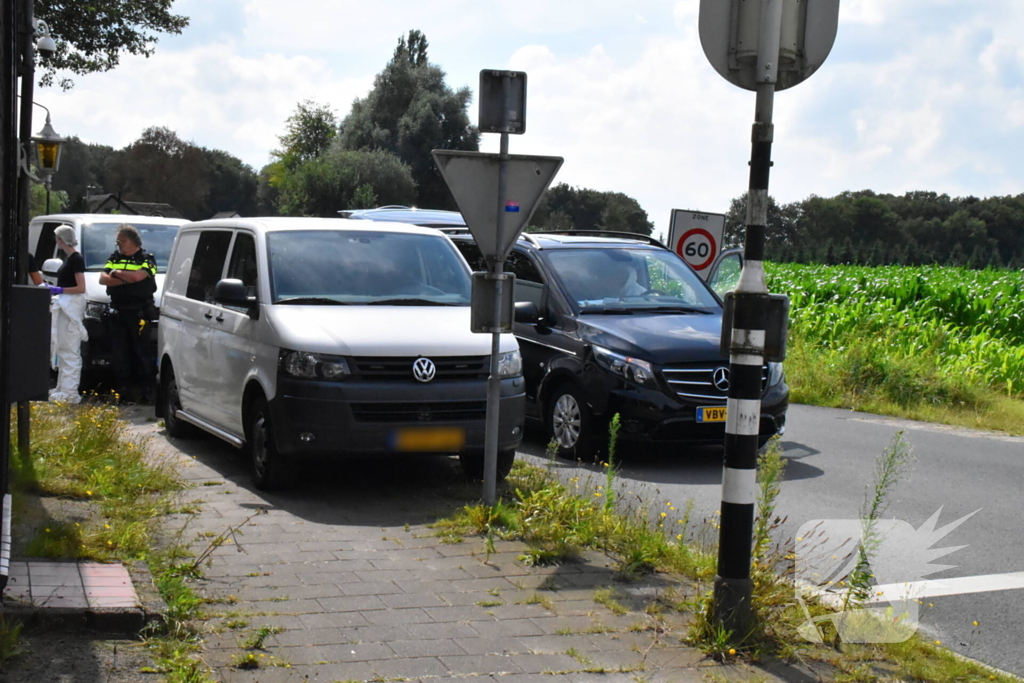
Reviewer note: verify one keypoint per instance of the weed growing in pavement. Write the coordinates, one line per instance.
(257, 638)
(11, 644)
(610, 465)
(607, 597)
(538, 599)
(889, 469)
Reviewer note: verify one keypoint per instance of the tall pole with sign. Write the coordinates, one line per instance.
(760, 45)
(497, 194)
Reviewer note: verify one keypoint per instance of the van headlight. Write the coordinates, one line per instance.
(317, 366)
(775, 373)
(510, 364)
(94, 310)
(632, 369)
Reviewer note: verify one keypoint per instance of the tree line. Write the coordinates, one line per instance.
(868, 228)
(379, 153)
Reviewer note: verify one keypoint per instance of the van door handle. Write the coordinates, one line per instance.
(208, 315)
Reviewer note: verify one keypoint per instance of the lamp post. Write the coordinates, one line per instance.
(33, 36)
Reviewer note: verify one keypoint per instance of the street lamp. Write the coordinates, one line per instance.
(48, 148)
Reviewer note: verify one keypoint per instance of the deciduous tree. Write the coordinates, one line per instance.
(410, 112)
(91, 36)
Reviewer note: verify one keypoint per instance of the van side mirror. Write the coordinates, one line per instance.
(51, 266)
(232, 292)
(526, 312)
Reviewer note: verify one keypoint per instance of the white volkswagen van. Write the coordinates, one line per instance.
(96, 233)
(310, 336)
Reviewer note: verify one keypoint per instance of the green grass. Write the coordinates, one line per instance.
(558, 525)
(83, 454)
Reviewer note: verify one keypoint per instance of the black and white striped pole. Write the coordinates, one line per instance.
(733, 585)
(764, 46)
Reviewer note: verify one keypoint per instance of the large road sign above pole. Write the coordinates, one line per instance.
(730, 34)
(473, 178)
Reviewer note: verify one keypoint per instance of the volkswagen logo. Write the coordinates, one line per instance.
(423, 369)
(720, 378)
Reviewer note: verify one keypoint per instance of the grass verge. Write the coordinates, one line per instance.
(863, 377)
(88, 491)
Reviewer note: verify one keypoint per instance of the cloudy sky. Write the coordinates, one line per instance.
(916, 94)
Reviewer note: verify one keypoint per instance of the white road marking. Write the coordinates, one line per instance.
(958, 586)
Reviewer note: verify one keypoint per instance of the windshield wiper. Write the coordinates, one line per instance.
(409, 302)
(608, 311)
(315, 300)
(675, 309)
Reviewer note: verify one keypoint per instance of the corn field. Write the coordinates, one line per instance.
(968, 322)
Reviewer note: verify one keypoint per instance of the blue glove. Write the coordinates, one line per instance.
(55, 290)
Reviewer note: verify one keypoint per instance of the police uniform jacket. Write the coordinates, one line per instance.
(135, 295)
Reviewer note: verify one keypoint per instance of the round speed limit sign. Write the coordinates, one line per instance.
(698, 248)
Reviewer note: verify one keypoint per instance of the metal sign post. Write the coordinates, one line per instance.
(761, 45)
(497, 194)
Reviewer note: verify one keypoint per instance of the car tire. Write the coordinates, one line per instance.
(268, 468)
(571, 424)
(176, 428)
(473, 464)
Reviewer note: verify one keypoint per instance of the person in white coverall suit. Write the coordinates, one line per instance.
(67, 332)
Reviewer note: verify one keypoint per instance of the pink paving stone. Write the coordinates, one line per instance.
(111, 592)
(43, 592)
(57, 581)
(94, 569)
(112, 602)
(17, 592)
(99, 581)
(52, 569)
(66, 603)
(52, 565)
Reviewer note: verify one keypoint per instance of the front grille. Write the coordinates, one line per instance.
(447, 411)
(399, 369)
(694, 382)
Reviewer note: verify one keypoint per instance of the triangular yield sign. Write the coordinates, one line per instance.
(472, 178)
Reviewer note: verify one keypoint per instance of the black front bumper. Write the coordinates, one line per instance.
(364, 417)
(650, 415)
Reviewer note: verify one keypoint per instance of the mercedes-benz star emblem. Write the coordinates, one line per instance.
(720, 378)
(423, 369)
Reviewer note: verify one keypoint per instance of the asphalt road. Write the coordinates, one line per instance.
(830, 460)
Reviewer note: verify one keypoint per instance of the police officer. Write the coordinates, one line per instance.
(130, 278)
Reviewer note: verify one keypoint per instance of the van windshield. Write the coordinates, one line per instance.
(98, 242)
(609, 280)
(355, 267)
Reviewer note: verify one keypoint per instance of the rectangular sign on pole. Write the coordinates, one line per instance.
(697, 237)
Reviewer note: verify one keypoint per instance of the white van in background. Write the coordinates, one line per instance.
(96, 233)
(310, 336)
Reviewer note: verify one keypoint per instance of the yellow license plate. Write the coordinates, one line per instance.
(711, 414)
(432, 439)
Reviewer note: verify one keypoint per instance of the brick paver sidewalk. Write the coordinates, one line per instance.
(345, 581)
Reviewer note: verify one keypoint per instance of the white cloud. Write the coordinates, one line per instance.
(917, 94)
(208, 95)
